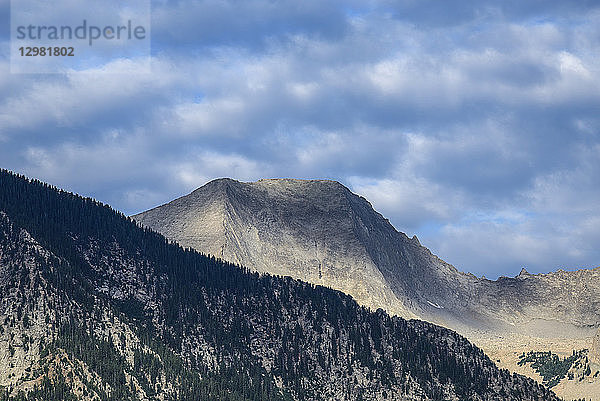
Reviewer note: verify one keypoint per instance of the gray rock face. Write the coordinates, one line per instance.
(309, 230)
(321, 232)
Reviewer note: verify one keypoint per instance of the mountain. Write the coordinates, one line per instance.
(319, 231)
(309, 230)
(95, 307)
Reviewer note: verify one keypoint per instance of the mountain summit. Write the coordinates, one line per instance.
(321, 232)
(317, 231)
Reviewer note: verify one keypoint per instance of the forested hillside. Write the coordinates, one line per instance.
(95, 307)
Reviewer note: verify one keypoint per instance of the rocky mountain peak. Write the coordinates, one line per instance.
(321, 232)
(298, 183)
(218, 187)
(314, 230)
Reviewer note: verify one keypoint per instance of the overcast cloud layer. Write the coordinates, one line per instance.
(474, 125)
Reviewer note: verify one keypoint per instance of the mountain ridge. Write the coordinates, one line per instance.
(404, 277)
(224, 234)
(321, 232)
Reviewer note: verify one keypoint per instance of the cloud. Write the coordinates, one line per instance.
(412, 203)
(206, 166)
(210, 23)
(431, 13)
(5, 17)
(471, 124)
(493, 246)
(553, 225)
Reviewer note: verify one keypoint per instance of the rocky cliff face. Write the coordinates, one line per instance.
(321, 232)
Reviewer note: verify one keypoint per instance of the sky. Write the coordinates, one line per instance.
(473, 124)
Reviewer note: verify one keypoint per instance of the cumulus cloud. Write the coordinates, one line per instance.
(210, 23)
(552, 224)
(471, 124)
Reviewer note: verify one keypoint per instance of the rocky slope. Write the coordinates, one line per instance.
(321, 232)
(96, 308)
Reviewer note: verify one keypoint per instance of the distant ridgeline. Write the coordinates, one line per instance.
(96, 308)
